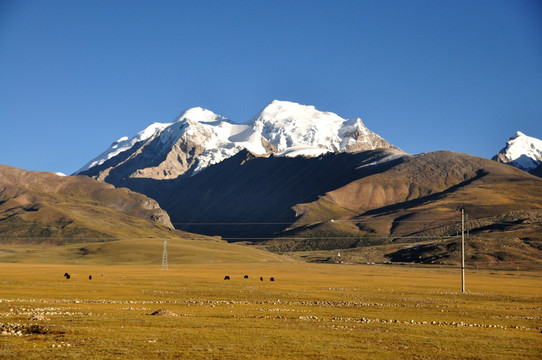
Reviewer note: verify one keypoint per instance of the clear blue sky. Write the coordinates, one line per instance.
(425, 75)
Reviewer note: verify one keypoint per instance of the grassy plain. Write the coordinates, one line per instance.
(310, 311)
(136, 251)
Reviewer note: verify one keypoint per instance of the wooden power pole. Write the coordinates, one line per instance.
(462, 250)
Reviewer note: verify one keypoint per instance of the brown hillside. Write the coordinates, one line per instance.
(43, 206)
(431, 187)
(417, 201)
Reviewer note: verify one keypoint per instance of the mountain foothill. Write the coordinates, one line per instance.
(291, 180)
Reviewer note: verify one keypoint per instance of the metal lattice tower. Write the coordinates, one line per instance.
(164, 256)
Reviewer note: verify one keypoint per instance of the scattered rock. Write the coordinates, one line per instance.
(38, 317)
(164, 312)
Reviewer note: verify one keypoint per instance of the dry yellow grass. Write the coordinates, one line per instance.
(310, 311)
(136, 251)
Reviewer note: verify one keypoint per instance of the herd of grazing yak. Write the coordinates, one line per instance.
(227, 277)
(68, 276)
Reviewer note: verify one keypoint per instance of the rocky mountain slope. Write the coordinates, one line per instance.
(523, 152)
(199, 138)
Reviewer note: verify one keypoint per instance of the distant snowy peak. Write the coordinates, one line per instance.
(296, 129)
(521, 151)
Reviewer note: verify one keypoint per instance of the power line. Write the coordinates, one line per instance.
(234, 223)
(321, 222)
(451, 222)
(278, 237)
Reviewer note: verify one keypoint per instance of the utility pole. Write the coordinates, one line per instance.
(462, 250)
(164, 256)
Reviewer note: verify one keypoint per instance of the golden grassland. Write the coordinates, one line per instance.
(310, 311)
(136, 251)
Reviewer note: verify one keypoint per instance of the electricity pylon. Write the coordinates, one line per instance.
(164, 256)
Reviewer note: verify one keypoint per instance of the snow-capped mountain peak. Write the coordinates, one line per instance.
(297, 129)
(198, 138)
(521, 151)
(201, 115)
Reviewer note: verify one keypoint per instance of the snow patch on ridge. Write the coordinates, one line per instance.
(385, 159)
(302, 151)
